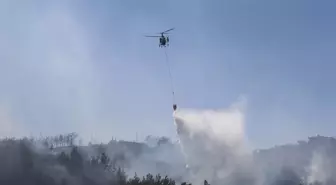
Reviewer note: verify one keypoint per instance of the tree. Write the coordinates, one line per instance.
(61, 139)
(76, 161)
(56, 141)
(163, 140)
(134, 181)
(72, 137)
(121, 177)
(63, 159)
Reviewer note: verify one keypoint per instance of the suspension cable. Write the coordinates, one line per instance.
(170, 76)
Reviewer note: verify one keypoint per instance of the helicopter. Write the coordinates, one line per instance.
(164, 40)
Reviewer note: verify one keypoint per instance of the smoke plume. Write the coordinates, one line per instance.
(213, 142)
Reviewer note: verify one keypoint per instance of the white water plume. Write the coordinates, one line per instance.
(213, 144)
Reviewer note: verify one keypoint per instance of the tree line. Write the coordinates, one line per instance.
(21, 162)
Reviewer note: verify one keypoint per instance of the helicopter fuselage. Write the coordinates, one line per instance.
(163, 41)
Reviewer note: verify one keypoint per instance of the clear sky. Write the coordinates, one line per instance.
(85, 66)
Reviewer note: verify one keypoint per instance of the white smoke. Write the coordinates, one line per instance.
(50, 80)
(213, 142)
(9, 126)
(316, 171)
(321, 168)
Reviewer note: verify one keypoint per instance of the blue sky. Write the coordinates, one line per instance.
(85, 66)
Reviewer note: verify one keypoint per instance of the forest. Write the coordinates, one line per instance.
(59, 160)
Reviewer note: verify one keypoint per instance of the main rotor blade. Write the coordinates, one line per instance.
(168, 30)
(151, 36)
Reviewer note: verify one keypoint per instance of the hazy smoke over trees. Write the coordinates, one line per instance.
(211, 147)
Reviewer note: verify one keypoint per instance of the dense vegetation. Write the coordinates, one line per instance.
(59, 161)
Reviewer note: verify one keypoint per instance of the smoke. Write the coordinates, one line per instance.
(50, 80)
(213, 142)
(214, 146)
(322, 168)
(317, 174)
(9, 126)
